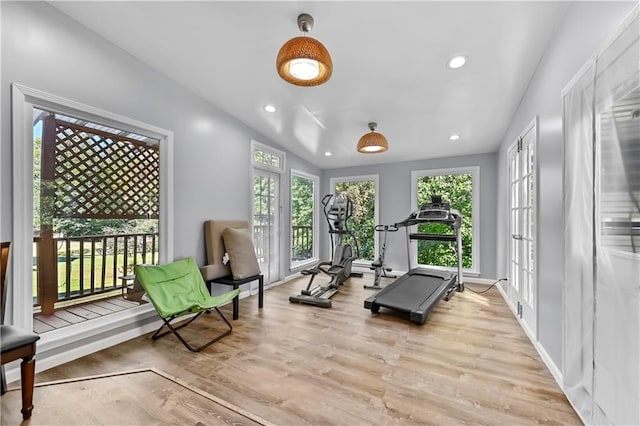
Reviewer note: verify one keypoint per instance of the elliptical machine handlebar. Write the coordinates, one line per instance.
(387, 228)
(337, 213)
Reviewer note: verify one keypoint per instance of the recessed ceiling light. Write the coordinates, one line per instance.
(328, 154)
(454, 137)
(270, 108)
(457, 62)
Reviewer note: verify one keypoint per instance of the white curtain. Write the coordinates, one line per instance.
(601, 362)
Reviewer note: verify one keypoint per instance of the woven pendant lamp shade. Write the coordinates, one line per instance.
(372, 142)
(304, 61)
(304, 48)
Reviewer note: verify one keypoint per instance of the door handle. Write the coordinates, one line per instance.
(516, 236)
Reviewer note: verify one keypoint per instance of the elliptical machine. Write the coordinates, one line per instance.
(378, 266)
(339, 267)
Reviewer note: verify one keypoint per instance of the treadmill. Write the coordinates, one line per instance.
(418, 291)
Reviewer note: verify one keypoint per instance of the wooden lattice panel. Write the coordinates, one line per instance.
(97, 176)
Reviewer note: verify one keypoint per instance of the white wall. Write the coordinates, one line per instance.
(395, 203)
(586, 26)
(44, 49)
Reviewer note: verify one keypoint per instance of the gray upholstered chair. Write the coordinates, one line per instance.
(242, 266)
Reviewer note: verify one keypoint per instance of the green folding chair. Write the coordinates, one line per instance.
(177, 289)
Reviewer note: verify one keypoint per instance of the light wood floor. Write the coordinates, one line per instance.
(142, 397)
(290, 364)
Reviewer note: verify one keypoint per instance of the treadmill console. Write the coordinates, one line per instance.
(434, 211)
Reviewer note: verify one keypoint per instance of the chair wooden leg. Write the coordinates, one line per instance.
(3, 381)
(27, 373)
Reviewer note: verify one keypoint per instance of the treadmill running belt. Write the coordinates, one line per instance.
(416, 289)
(416, 292)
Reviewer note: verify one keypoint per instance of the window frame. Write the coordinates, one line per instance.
(257, 146)
(600, 193)
(24, 100)
(280, 172)
(315, 255)
(474, 171)
(376, 207)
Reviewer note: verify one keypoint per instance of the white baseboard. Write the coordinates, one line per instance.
(291, 276)
(551, 366)
(478, 280)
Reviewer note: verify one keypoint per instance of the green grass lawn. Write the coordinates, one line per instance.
(97, 268)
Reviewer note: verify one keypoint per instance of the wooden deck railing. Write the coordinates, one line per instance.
(91, 264)
(301, 242)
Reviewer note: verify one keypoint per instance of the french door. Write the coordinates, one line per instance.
(522, 247)
(266, 222)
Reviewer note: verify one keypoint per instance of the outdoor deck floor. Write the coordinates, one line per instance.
(78, 313)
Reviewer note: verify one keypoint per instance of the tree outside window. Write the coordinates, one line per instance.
(363, 195)
(302, 205)
(455, 189)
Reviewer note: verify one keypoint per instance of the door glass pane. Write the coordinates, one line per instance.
(525, 282)
(525, 191)
(515, 282)
(265, 234)
(530, 221)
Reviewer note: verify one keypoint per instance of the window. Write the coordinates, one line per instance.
(363, 192)
(267, 158)
(618, 195)
(304, 218)
(82, 147)
(95, 212)
(459, 187)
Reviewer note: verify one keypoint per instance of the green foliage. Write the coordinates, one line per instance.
(264, 188)
(362, 194)
(80, 227)
(301, 216)
(301, 201)
(456, 190)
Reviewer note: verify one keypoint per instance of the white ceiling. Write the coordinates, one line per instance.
(389, 66)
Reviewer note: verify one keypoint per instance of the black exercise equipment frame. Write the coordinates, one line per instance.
(339, 269)
(419, 290)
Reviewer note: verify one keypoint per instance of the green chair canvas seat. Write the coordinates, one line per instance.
(178, 289)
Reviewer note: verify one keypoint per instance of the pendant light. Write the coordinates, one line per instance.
(303, 60)
(372, 142)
